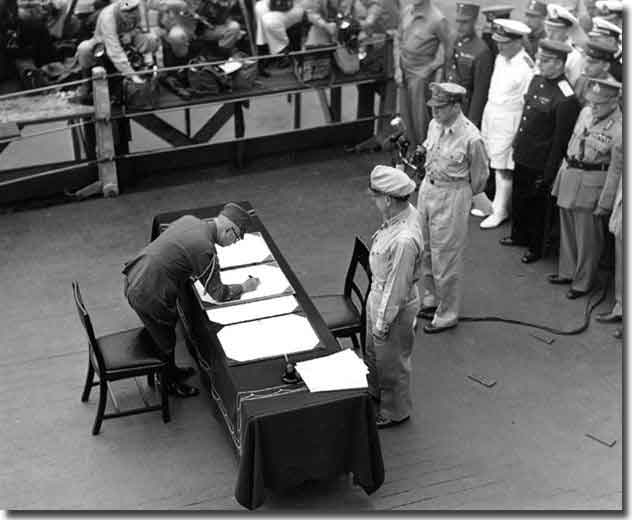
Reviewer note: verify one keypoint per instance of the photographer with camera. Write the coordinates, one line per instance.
(127, 47)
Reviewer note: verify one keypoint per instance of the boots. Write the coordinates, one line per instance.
(502, 198)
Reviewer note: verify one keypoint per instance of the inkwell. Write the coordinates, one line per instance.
(290, 376)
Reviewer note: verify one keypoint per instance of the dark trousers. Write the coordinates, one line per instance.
(529, 211)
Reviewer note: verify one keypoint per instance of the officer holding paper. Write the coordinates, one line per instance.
(155, 276)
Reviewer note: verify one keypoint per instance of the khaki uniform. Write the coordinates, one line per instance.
(615, 224)
(456, 167)
(393, 303)
(580, 186)
(419, 53)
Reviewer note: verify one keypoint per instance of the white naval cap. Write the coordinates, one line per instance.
(506, 29)
(560, 16)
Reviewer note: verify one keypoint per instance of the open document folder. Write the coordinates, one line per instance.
(273, 283)
(267, 338)
(253, 310)
(252, 249)
(340, 371)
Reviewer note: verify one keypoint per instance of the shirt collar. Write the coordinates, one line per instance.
(396, 219)
(456, 125)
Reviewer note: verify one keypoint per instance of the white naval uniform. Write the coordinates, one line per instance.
(502, 113)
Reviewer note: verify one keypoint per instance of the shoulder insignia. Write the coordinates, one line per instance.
(565, 87)
(528, 60)
(609, 124)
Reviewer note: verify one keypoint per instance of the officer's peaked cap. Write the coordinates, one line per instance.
(128, 5)
(497, 11)
(536, 8)
(602, 89)
(560, 16)
(237, 215)
(554, 49)
(466, 11)
(506, 30)
(600, 50)
(445, 93)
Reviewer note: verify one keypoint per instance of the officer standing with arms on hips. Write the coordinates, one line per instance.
(157, 274)
(393, 300)
(456, 167)
(512, 74)
(582, 193)
(548, 118)
(471, 63)
(535, 15)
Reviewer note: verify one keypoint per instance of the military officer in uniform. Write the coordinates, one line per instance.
(562, 26)
(581, 188)
(611, 10)
(155, 276)
(393, 300)
(615, 226)
(512, 74)
(548, 118)
(608, 33)
(535, 15)
(491, 13)
(471, 63)
(597, 59)
(456, 167)
(420, 51)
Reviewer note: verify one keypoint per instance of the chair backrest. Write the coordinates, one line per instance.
(84, 317)
(359, 257)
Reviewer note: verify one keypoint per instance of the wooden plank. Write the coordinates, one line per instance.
(105, 139)
(41, 108)
(214, 124)
(324, 105)
(297, 110)
(162, 129)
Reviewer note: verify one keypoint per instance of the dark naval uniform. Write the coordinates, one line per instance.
(548, 118)
(471, 67)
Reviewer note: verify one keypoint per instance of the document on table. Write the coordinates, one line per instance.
(253, 310)
(273, 283)
(340, 371)
(267, 338)
(252, 249)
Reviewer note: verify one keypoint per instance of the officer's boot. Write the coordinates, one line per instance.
(502, 198)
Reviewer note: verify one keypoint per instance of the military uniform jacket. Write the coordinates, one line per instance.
(185, 249)
(548, 117)
(471, 67)
(592, 143)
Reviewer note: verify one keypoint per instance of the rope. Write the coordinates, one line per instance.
(44, 132)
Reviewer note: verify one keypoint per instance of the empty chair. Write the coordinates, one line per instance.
(345, 317)
(117, 356)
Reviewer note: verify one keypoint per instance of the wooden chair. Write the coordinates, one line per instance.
(117, 356)
(344, 317)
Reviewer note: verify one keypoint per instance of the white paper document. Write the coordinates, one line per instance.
(267, 338)
(272, 283)
(253, 310)
(340, 371)
(252, 249)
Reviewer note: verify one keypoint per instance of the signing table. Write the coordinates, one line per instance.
(283, 433)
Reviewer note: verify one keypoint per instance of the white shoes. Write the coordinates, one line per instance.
(493, 221)
(478, 212)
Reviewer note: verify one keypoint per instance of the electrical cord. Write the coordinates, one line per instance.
(590, 307)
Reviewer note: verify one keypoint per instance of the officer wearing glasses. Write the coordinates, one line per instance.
(155, 276)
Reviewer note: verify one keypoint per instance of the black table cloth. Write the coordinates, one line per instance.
(284, 434)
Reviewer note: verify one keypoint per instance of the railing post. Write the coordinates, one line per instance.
(104, 138)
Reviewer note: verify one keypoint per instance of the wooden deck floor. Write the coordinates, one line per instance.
(519, 445)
